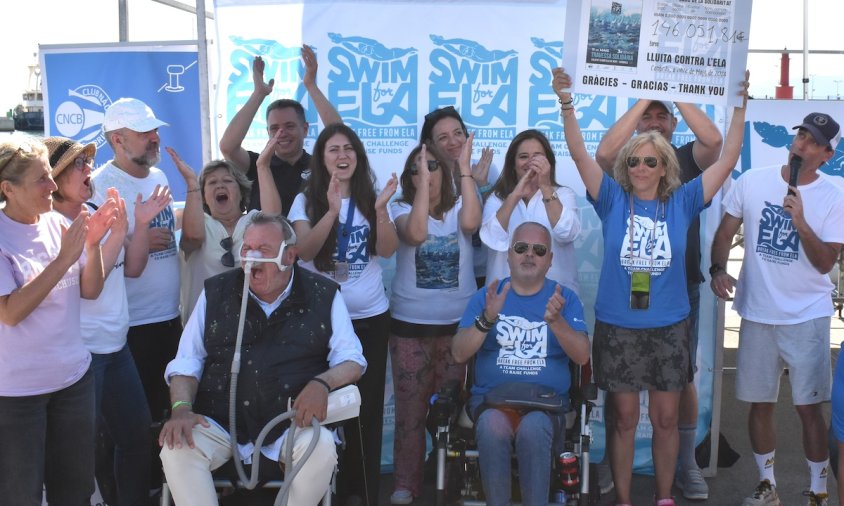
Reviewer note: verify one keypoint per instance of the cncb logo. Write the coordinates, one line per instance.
(80, 116)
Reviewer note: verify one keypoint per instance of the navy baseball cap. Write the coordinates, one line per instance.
(823, 128)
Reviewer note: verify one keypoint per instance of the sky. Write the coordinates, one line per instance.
(775, 24)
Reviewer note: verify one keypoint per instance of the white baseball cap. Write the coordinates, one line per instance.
(130, 113)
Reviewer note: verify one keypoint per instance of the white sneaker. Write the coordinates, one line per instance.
(764, 495)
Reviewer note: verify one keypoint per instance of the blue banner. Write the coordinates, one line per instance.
(80, 82)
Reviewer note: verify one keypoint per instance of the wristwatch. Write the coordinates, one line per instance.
(715, 268)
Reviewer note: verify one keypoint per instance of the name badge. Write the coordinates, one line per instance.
(640, 290)
(341, 271)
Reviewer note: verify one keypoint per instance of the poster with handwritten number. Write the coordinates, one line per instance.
(679, 50)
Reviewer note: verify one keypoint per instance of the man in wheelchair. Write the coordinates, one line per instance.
(524, 331)
(298, 342)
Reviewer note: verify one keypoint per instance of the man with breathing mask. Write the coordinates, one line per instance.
(298, 345)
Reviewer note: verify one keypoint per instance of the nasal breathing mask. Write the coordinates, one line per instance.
(252, 257)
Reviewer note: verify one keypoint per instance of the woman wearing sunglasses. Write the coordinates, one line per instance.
(120, 400)
(444, 134)
(641, 339)
(214, 206)
(343, 226)
(47, 265)
(434, 281)
(528, 191)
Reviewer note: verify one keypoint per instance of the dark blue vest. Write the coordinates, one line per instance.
(279, 353)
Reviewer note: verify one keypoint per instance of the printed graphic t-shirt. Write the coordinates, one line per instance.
(521, 347)
(778, 284)
(363, 291)
(154, 296)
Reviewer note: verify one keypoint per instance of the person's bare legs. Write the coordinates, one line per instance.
(663, 409)
(625, 407)
(760, 425)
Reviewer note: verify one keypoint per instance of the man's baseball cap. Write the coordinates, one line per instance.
(669, 106)
(823, 128)
(130, 113)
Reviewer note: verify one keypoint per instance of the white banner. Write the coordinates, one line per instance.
(679, 50)
(400, 60)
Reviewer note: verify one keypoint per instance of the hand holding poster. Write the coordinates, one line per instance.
(680, 50)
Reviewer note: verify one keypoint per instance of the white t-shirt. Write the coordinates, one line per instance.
(777, 284)
(435, 280)
(363, 291)
(44, 352)
(154, 296)
(105, 320)
(564, 266)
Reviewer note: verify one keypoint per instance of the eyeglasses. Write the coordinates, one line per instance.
(433, 165)
(521, 247)
(438, 112)
(24, 147)
(82, 162)
(650, 161)
(228, 257)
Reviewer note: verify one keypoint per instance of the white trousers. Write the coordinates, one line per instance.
(188, 470)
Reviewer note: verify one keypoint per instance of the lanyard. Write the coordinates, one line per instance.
(630, 230)
(344, 232)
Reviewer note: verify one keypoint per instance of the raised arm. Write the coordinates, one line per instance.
(412, 228)
(618, 134)
(719, 171)
(388, 240)
(574, 343)
(268, 191)
(469, 218)
(708, 140)
(92, 278)
(310, 237)
(590, 172)
(193, 216)
(232, 139)
(327, 113)
(137, 246)
(19, 304)
(469, 339)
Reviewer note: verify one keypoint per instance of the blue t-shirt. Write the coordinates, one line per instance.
(660, 250)
(521, 347)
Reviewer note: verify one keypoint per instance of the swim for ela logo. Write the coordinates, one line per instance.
(482, 83)
(374, 88)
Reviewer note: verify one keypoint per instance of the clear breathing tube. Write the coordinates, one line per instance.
(251, 257)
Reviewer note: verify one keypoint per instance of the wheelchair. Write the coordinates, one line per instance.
(574, 477)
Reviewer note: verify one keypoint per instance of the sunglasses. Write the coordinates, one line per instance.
(433, 165)
(82, 162)
(228, 257)
(650, 161)
(24, 148)
(521, 247)
(438, 112)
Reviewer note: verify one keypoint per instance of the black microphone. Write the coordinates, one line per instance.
(795, 163)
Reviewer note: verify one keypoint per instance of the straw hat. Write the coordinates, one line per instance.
(63, 151)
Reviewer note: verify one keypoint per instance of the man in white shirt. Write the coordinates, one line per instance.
(298, 343)
(131, 130)
(792, 239)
